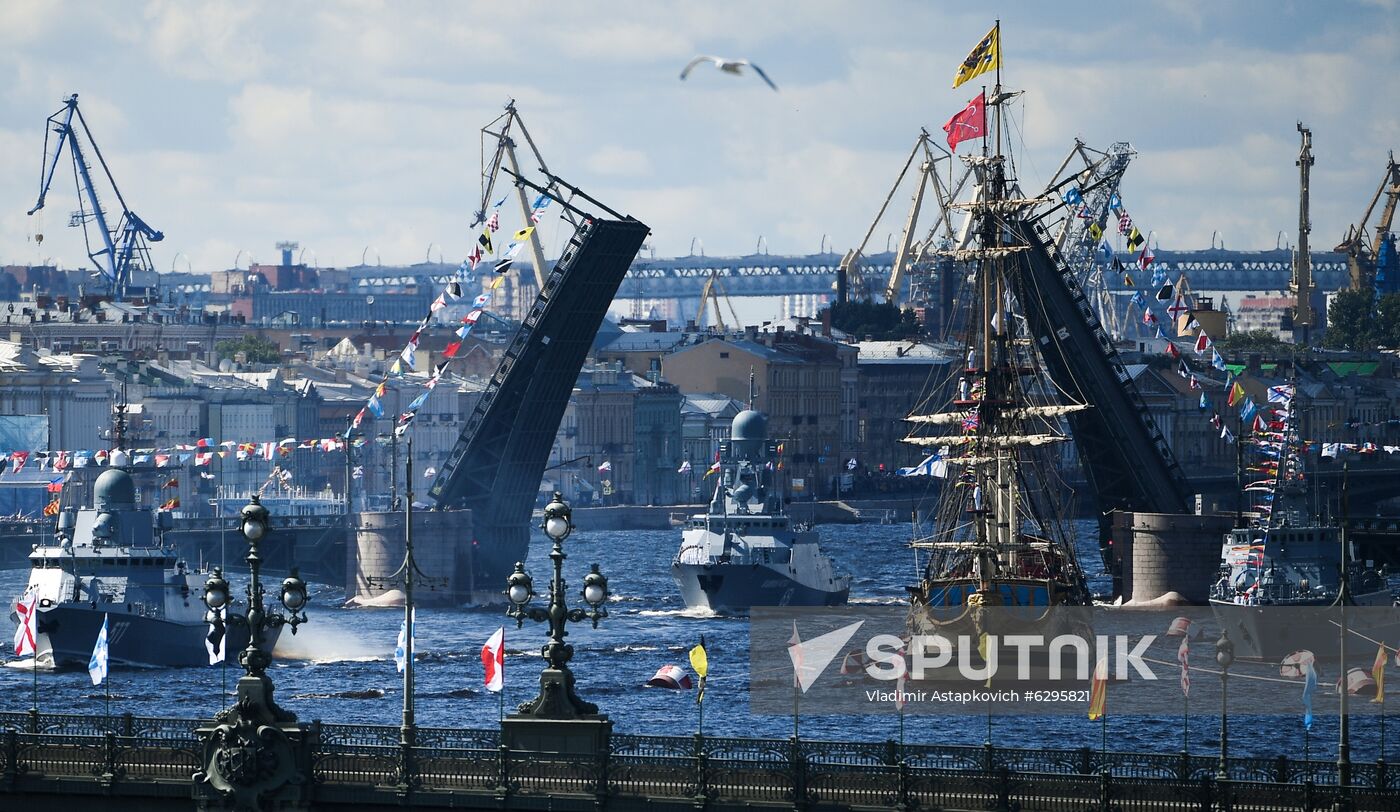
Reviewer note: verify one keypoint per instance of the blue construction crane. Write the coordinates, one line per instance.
(123, 249)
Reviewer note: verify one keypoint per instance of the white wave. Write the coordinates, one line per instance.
(698, 613)
(329, 645)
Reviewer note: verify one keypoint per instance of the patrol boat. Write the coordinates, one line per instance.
(743, 550)
(109, 562)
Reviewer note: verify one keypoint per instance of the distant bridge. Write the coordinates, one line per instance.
(772, 275)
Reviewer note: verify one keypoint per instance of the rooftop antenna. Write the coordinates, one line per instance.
(751, 387)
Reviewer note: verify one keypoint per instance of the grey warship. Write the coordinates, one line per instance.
(109, 562)
(743, 550)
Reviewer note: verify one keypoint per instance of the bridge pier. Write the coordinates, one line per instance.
(1162, 553)
(441, 544)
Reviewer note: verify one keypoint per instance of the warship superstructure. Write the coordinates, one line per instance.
(108, 562)
(744, 550)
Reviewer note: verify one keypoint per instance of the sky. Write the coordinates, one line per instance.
(353, 127)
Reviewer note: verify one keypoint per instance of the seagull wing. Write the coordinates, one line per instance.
(698, 60)
(759, 71)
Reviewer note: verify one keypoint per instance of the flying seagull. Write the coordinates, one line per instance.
(734, 66)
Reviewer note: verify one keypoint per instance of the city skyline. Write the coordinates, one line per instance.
(354, 129)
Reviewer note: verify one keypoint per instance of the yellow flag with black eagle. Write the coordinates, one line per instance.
(986, 56)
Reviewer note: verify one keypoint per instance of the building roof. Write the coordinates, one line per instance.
(629, 341)
(902, 352)
(745, 345)
(714, 404)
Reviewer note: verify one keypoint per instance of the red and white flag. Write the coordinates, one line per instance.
(671, 676)
(27, 635)
(969, 123)
(493, 659)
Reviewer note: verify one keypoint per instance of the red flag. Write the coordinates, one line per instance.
(970, 122)
(493, 659)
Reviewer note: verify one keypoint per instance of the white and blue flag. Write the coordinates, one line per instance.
(935, 464)
(97, 666)
(401, 649)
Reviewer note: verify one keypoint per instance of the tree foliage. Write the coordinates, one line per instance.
(1356, 320)
(880, 321)
(1262, 341)
(257, 350)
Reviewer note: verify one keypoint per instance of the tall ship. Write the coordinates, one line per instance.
(1285, 556)
(1001, 533)
(108, 562)
(744, 550)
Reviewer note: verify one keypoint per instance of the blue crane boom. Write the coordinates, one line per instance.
(123, 249)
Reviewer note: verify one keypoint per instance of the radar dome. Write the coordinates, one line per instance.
(749, 425)
(114, 489)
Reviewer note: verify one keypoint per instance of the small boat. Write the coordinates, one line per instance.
(109, 563)
(744, 550)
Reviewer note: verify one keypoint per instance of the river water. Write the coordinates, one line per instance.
(340, 668)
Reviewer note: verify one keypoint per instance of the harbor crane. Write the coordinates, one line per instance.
(1371, 254)
(910, 251)
(709, 298)
(116, 251)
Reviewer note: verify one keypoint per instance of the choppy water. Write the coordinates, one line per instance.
(340, 666)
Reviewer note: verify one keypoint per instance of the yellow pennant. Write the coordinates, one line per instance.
(700, 661)
(1377, 672)
(1098, 690)
(523, 234)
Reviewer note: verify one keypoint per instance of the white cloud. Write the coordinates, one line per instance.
(217, 40)
(233, 125)
(611, 160)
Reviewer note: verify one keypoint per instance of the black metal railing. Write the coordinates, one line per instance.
(350, 763)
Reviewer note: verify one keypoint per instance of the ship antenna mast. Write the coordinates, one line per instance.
(119, 421)
(1301, 286)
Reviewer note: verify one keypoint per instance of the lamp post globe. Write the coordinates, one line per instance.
(294, 594)
(215, 591)
(1224, 651)
(519, 588)
(558, 522)
(595, 589)
(254, 520)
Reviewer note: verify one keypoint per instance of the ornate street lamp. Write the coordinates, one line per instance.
(557, 699)
(1224, 657)
(248, 749)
